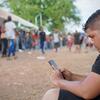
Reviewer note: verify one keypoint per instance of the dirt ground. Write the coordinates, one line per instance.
(27, 77)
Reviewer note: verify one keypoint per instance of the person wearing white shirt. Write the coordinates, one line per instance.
(56, 40)
(10, 35)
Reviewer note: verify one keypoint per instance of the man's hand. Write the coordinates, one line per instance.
(66, 74)
(56, 77)
(72, 76)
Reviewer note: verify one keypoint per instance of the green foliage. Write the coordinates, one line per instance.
(51, 10)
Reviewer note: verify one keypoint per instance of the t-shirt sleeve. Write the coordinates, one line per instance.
(96, 66)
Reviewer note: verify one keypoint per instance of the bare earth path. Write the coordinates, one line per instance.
(27, 77)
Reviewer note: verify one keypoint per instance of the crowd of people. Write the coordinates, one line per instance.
(12, 40)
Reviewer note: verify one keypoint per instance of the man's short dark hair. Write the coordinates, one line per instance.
(91, 20)
(9, 18)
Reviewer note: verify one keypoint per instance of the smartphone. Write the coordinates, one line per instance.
(53, 64)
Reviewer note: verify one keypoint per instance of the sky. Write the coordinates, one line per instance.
(86, 8)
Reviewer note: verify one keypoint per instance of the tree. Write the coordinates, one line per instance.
(52, 11)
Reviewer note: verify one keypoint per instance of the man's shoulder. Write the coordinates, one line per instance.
(10, 22)
(96, 65)
(98, 58)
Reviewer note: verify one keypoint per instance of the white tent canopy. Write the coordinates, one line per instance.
(4, 14)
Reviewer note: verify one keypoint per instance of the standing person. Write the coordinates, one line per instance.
(77, 41)
(0, 38)
(22, 39)
(17, 40)
(10, 33)
(35, 39)
(80, 87)
(56, 40)
(42, 37)
(29, 40)
(0, 31)
(69, 41)
(81, 39)
(4, 42)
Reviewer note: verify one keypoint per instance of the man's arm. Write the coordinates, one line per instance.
(68, 75)
(88, 88)
(76, 77)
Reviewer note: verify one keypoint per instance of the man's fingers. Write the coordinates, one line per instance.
(62, 69)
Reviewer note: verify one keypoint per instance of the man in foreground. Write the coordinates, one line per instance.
(78, 87)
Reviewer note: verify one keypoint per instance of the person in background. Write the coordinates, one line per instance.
(29, 40)
(70, 41)
(56, 40)
(77, 42)
(4, 42)
(79, 87)
(10, 34)
(17, 40)
(35, 40)
(0, 38)
(42, 37)
(22, 39)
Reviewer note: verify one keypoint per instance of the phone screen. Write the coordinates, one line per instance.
(53, 64)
